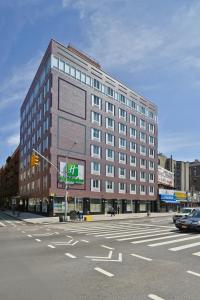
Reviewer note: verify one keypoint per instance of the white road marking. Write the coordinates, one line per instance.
(112, 260)
(142, 257)
(37, 240)
(144, 236)
(51, 246)
(70, 255)
(156, 239)
(107, 247)
(2, 224)
(85, 241)
(104, 272)
(193, 273)
(184, 247)
(46, 234)
(101, 257)
(196, 253)
(133, 234)
(175, 241)
(120, 231)
(29, 235)
(69, 236)
(155, 297)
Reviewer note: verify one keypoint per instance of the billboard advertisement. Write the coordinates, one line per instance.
(165, 177)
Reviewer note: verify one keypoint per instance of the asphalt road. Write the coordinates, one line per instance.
(133, 259)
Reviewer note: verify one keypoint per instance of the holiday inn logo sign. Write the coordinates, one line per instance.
(72, 173)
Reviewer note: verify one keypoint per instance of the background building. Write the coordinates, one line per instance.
(9, 180)
(74, 111)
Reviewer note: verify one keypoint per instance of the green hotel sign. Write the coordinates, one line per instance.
(72, 173)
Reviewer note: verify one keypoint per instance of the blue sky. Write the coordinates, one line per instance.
(153, 46)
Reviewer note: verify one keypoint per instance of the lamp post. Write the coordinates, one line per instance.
(66, 183)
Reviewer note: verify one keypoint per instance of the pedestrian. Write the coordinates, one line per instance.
(78, 215)
(118, 209)
(112, 211)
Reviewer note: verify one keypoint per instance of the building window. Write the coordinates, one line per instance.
(110, 155)
(96, 118)
(133, 174)
(95, 168)
(142, 124)
(122, 173)
(151, 140)
(151, 128)
(110, 170)
(110, 108)
(142, 163)
(122, 187)
(143, 150)
(122, 114)
(151, 190)
(142, 176)
(122, 158)
(132, 188)
(133, 133)
(133, 147)
(151, 165)
(109, 186)
(142, 189)
(151, 153)
(95, 134)
(110, 123)
(132, 160)
(110, 139)
(95, 185)
(95, 151)
(96, 101)
(133, 119)
(142, 137)
(122, 128)
(97, 84)
(122, 143)
(151, 177)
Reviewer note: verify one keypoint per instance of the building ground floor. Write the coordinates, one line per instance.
(52, 206)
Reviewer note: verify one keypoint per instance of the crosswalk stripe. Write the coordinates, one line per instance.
(142, 236)
(107, 233)
(133, 234)
(2, 224)
(156, 239)
(174, 241)
(184, 247)
(196, 253)
(106, 228)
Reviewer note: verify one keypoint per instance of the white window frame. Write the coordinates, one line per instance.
(141, 125)
(110, 111)
(150, 155)
(121, 131)
(151, 193)
(94, 189)
(120, 190)
(143, 140)
(133, 122)
(94, 104)
(133, 191)
(141, 152)
(108, 190)
(134, 136)
(151, 130)
(122, 176)
(95, 121)
(141, 165)
(133, 164)
(150, 142)
(122, 146)
(119, 114)
(93, 137)
(110, 127)
(109, 158)
(134, 150)
(142, 192)
(113, 139)
(133, 177)
(95, 172)
(151, 168)
(94, 154)
(108, 173)
(122, 161)
(142, 179)
(151, 180)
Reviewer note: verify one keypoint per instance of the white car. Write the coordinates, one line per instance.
(185, 211)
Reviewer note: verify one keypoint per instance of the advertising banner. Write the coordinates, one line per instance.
(165, 177)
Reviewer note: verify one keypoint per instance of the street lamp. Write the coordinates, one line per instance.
(66, 183)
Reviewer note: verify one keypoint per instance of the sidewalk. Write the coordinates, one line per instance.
(37, 219)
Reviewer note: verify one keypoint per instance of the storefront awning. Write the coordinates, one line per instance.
(171, 202)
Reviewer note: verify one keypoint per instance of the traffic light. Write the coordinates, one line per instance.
(34, 160)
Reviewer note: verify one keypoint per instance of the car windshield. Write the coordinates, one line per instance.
(186, 210)
(196, 214)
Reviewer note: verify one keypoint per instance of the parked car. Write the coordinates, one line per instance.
(190, 222)
(185, 211)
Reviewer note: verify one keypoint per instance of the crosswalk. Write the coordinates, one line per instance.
(149, 235)
(7, 221)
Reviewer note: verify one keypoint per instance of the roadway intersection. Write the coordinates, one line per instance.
(122, 259)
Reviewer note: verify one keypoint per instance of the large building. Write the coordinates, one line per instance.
(75, 111)
(9, 180)
(195, 176)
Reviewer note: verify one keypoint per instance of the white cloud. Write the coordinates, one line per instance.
(10, 126)
(13, 140)
(14, 88)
